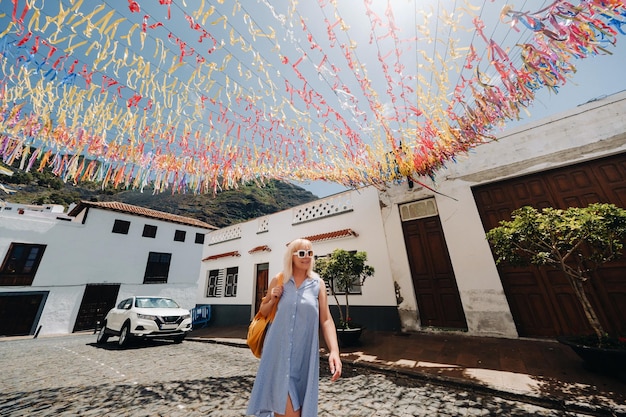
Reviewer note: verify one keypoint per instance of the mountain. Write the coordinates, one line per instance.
(224, 209)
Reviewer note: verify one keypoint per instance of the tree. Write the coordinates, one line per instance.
(341, 270)
(576, 241)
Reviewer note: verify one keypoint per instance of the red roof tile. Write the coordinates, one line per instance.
(221, 255)
(139, 211)
(332, 235)
(260, 249)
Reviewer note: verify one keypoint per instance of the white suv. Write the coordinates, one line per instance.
(145, 317)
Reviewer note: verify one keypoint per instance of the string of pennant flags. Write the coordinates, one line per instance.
(206, 97)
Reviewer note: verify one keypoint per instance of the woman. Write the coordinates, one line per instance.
(288, 376)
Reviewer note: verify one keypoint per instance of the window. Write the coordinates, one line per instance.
(179, 236)
(222, 281)
(200, 238)
(230, 289)
(21, 263)
(158, 268)
(149, 230)
(214, 285)
(418, 209)
(355, 288)
(121, 226)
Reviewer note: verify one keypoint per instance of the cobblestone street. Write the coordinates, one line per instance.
(71, 375)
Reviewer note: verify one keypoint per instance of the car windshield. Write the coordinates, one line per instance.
(155, 302)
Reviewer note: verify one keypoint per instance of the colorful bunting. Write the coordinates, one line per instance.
(200, 100)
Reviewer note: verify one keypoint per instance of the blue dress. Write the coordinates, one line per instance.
(290, 360)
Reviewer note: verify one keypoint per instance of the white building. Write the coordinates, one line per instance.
(62, 272)
(239, 259)
(434, 267)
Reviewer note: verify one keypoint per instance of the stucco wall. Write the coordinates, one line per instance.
(125, 256)
(61, 308)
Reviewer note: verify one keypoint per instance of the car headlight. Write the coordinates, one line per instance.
(146, 317)
(186, 316)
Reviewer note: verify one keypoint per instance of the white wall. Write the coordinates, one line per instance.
(126, 255)
(61, 309)
(79, 254)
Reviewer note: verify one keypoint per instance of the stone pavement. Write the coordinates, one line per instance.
(72, 376)
(544, 372)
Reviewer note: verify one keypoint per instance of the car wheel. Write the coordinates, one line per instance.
(102, 335)
(125, 335)
(179, 339)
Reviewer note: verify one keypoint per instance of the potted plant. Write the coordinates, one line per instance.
(576, 241)
(341, 270)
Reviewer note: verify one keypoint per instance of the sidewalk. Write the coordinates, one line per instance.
(542, 372)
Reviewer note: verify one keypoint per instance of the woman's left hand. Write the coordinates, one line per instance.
(334, 363)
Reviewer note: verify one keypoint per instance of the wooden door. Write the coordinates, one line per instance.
(98, 299)
(434, 283)
(262, 284)
(541, 300)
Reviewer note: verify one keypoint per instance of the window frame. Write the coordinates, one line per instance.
(157, 270)
(355, 289)
(213, 284)
(230, 283)
(121, 226)
(19, 269)
(180, 235)
(222, 282)
(149, 230)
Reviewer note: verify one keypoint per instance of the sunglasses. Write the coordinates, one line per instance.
(304, 253)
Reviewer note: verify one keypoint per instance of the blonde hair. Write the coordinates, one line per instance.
(293, 246)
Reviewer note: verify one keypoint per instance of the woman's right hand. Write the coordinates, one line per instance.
(276, 292)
